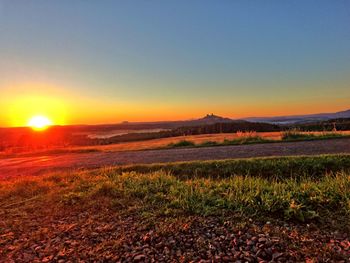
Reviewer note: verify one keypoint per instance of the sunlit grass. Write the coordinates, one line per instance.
(301, 200)
(252, 137)
(296, 135)
(301, 191)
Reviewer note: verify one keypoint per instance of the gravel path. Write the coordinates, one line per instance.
(34, 165)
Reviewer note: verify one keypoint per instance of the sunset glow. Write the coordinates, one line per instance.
(19, 109)
(39, 123)
(117, 62)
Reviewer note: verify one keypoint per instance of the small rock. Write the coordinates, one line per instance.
(47, 259)
(226, 259)
(27, 257)
(139, 257)
(262, 240)
(250, 243)
(276, 255)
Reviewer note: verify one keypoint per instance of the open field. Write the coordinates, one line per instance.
(37, 164)
(289, 209)
(147, 144)
(201, 140)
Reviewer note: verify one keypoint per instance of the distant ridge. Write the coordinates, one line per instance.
(210, 119)
(295, 119)
(206, 120)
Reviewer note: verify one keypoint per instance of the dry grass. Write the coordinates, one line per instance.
(164, 142)
(197, 139)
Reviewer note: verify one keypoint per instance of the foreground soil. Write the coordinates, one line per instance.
(102, 234)
(21, 166)
(107, 216)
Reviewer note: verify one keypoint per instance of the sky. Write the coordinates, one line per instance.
(109, 61)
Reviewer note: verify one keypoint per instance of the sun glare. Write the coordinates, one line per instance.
(39, 123)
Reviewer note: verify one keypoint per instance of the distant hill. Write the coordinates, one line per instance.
(340, 124)
(299, 119)
(208, 119)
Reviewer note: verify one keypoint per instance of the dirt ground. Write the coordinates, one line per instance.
(104, 235)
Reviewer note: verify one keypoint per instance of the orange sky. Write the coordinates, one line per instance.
(22, 102)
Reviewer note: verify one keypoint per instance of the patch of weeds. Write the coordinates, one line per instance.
(183, 143)
(106, 189)
(208, 143)
(72, 198)
(276, 168)
(26, 189)
(246, 140)
(297, 135)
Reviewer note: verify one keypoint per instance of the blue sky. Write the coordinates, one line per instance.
(152, 60)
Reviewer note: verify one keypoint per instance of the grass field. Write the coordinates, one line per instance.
(203, 140)
(290, 194)
(162, 193)
(255, 138)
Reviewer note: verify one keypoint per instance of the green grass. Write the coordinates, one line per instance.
(238, 141)
(208, 143)
(287, 136)
(276, 168)
(288, 199)
(182, 143)
(246, 140)
(295, 135)
(298, 188)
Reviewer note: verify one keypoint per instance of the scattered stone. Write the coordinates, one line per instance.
(262, 240)
(107, 237)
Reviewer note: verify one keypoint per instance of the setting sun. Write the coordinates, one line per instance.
(39, 123)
